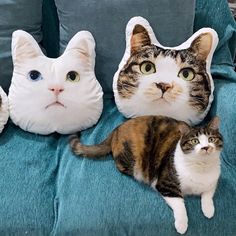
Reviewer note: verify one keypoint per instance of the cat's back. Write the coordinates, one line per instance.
(145, 139)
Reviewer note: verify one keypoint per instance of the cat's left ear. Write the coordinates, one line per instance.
(82, 43)
(184, 128)
(214, 123)
(202, 45)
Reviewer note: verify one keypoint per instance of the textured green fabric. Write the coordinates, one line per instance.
(107, 20)
(16, 14)
(28, 169)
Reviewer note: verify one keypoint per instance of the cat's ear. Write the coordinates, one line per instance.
(201, 46)
(24, 46)
(139, 38)
(214, 123)
(84, 44)
(184, 128)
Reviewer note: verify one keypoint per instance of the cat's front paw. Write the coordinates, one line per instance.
(181, 226)
(208, 208)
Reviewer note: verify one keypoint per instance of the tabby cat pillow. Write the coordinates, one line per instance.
(54, 95)
(171, 81)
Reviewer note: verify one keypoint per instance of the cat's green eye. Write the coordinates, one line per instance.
(212, 140)
(72, 76)
(186, 74)
(194, 141)
(147, 68)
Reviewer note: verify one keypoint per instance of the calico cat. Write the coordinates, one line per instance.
(165, 81)
(169, 155)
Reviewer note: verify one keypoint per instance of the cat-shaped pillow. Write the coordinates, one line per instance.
(157, 80)
(54, 95)
(4, 109)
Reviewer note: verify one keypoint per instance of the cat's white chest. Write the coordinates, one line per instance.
(199, 176)
(195, 183)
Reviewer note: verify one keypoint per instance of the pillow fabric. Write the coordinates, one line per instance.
(107, 20)
(157, 80)
(16, 14)
(54, 95)
(4, 109)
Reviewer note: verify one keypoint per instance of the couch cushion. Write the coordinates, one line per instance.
(28, 165)
(107, 20)
(16, 14)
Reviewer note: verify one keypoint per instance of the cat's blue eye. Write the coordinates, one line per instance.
(35, 75)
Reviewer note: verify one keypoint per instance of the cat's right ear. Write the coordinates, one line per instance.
(183, 127)
(139, 38)
(82, 44)
(24, 46)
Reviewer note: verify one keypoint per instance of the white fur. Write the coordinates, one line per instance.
(198, 173)
(28, 99)
(166, 71)
(180, 213)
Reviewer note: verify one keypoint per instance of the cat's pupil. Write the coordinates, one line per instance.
(185, 74)
(34, 74)
(72, 75)
(148, 67)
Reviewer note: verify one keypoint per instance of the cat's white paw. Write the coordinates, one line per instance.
(181, 226)
(208, 208)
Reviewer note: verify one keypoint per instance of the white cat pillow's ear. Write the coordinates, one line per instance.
(83, 45)
(24, 47)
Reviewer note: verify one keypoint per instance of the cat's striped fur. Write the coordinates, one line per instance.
(145, 147)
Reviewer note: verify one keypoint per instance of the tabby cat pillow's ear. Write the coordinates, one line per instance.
(24, 47)
(202, 45)
(214, 123)
(139, 38)
(83, 43)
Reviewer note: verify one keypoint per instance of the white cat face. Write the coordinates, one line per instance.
(48, 95)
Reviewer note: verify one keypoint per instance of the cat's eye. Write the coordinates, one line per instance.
(194, 141)
(35, 75)
(72, 76)
(186, 74)
(212, 140)
(147, 68)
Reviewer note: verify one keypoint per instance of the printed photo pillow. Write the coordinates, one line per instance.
(170, 81)
(54, 95)
(4, 109)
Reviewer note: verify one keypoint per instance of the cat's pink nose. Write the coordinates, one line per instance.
(56, 89)
(205, 148)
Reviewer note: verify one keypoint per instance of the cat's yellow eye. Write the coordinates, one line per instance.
(212, 140)
(147, 68)
(194, 141)
(186, 74)
(72, 76)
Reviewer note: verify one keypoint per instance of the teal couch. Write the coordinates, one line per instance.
(46, 190)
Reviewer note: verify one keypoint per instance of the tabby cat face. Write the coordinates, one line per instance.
(202, 141)
(166, 82)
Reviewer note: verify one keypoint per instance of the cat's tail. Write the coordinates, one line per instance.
(91, 151)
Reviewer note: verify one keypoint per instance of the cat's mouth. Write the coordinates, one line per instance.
(56, 103)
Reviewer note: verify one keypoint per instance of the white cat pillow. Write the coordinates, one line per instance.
(54, 95)
(4, 109)
(157, 80)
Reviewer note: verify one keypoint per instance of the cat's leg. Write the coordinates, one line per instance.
(207, 203)
(180, 213)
